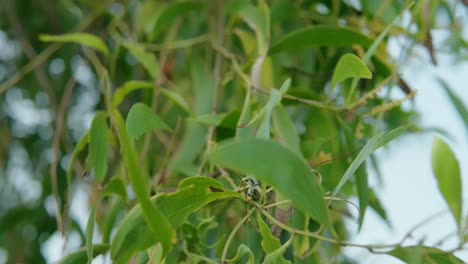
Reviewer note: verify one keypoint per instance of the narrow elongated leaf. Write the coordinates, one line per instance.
(190, 148)
(145, 58)
(285, 130)
(349, 66)
(447, 172)
(242, 250)
(171, 12)
(276, 257)
(373, 48)
(300, 243)
(377, 206)
(374, 143)
(267, 111)
(99, 146)
(457, 103)
(258, 18)
(362, 186)
(89, 235)
(177, 99)
(80, 256)
(115, 186)
(248, 42)
(361, 178)
(141, 119)
(160, 228)
(426, 255)
(210, 119)
(204, 88)
(133, 234)
(85, 39)
(116, 207)
(279, 167)
(127, 88)
(269, 242)
(320, 36)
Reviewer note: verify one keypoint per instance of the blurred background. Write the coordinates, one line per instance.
(30, 100)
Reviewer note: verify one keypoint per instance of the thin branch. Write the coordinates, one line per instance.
(29, 51)
(422, 223)
(179, 44)
(44, 55)
(59, 125)
(233, 233)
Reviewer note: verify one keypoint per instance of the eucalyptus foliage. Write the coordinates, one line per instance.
(211, 131)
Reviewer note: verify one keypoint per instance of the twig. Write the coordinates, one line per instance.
(179, 44)
(216, 76)
(314, 75)
(44, 55)
(233, 232)
(29, 51)
(422, 223)
(59, 125)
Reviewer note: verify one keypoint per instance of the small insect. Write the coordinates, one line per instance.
(251, 189)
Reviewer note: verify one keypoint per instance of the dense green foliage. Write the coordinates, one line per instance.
(209, 131)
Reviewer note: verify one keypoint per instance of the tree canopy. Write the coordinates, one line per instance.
(212, 131)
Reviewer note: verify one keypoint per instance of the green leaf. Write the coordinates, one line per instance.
(189, 149)
(269, 242)
(349, 66)
(146, 59)
(373, 48)
(376, 205)
(374, 143)
(361, 176)
(211, 119)
(115, 208)
(99, 146)
(133, 234)
(426, 255)
(203, 85)
(170, 13)
(457, 103)
(258, 18)
(127, 88)
(159, 226)
(320, 36)
(278, 167)
(447, 172)
(115, 186)
(89, 235)
(362, 186)
(80, 256)
(177, 99)
(285, 130)
(141, 119)
(266, 112)
(242, 250)
(276, 257)
(248, 42)
(85, 39)
(301, 243)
